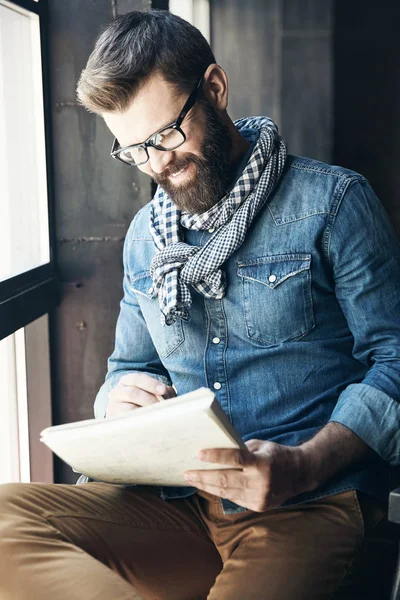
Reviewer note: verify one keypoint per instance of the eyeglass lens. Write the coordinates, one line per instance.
(168, 139)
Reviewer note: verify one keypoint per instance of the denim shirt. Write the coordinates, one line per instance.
(308, 331)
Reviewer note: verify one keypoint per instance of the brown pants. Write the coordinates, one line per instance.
(102, 542)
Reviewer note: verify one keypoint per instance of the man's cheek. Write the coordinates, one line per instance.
(146, 169)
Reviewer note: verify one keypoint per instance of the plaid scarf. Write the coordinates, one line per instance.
(176, 265)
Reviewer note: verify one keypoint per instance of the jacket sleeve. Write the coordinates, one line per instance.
(134, 350)
(365, 256)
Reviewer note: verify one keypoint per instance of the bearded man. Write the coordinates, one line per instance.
(270, 278)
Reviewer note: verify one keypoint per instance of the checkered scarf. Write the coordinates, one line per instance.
(176, 265)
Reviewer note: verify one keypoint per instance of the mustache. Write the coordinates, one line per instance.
(179, 165)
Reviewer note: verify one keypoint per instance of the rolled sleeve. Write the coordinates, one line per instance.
(373, 416)
(365, 256)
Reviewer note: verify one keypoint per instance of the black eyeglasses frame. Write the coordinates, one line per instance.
(116, 149)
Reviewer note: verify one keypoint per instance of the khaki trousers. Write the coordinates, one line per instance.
(107, 542)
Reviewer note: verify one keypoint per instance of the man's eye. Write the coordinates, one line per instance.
(131, 153)
(160, 139)
(157, 139)
(168, 133)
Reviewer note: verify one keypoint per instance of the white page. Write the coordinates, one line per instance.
(154, 445)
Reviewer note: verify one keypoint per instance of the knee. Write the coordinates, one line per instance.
(19, 515)
(14, 498)
(8, 493)
(14, 516)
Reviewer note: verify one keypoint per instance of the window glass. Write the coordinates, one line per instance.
(24, 229)
(14, 436)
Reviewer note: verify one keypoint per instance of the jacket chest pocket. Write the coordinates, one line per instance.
(277, 300)
(166, 339)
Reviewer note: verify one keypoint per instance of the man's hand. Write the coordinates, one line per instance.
(269, 474)
(135, 390)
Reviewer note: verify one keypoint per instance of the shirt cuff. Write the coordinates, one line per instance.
(373, 416)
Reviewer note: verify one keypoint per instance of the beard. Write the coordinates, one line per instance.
(212, 169)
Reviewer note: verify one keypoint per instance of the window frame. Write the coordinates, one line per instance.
(31, 294)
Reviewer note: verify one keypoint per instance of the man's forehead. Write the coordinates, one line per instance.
(154, 105)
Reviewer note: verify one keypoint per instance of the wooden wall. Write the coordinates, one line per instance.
(367, 95)
(278, 56)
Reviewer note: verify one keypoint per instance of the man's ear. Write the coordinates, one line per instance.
(215, 87)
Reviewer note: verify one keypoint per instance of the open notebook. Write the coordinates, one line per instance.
(153, 445)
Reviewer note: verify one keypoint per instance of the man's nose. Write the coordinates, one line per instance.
(159, 160)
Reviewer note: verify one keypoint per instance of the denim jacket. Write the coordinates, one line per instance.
(308, 331)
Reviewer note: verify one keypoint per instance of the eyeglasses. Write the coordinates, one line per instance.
(167, 138)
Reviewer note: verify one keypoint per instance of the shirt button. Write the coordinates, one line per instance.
(272, 278)
(150, 290)
(211, 230)
(216, 340)
(217, 385)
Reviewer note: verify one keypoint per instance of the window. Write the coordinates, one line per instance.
(26, 404)
(28, 287)
(196, 12)
(24, 240)
(27, 280)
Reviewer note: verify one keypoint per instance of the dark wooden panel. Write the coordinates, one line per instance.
(125, 6)
(93, 192)
(83, 329)
(91, 291)
(307, 15)
(243, 38)
(306, 99)
(95, 195)
(367, 97)
(368, 18)
(278, 56)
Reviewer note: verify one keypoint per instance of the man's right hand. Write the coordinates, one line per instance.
(135, 390)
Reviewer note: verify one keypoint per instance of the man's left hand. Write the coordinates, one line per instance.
(265, 474)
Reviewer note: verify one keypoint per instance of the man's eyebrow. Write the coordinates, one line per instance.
(154, 132)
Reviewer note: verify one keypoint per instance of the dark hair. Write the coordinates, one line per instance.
(136, 45)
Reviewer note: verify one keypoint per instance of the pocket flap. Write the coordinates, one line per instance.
(143, 284)
(273, 270)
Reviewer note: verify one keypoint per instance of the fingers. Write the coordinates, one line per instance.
(136, 390)
(123, 399)
(147, 383)
(144, 382)
(244, 488)
(114, 409)
(248, 481)
(221, 479)
(227, 456)
(131, 395)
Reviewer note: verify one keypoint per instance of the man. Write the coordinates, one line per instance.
(269, 278)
